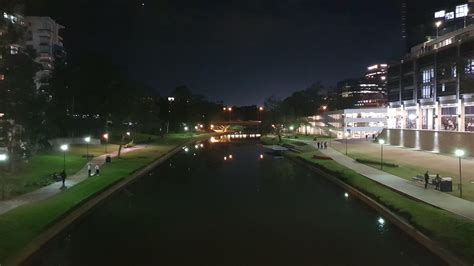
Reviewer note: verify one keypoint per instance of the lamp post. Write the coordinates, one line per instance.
(106, 138)
(170, 101)
(3, 160)
(64, 148)
(382, 142)
(346, 134)
(87, 140)
(460, 153)
(437, 24)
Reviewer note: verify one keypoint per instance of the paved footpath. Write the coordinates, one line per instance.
(433, 197)
(55, 188)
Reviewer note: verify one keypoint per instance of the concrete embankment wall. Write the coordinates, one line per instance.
(428, 140)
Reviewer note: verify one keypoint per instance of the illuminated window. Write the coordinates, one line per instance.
(14, 49)
(427, 76)
(462, 11)
(469, 66)
(449, 16)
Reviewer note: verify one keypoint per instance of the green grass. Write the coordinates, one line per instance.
(19, 226)
(451, 231)
(36, 172)
(288, 143)
(407, 171)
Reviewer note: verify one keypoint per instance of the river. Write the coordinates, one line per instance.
(232, 204)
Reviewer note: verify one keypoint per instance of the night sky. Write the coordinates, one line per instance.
(240, 52)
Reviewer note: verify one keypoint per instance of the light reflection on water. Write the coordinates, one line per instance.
(251, 209)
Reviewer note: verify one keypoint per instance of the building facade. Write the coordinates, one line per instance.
(358, 123)
(44, 37)
(366, 92)
(432, 88)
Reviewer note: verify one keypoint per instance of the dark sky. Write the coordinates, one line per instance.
(238, 51)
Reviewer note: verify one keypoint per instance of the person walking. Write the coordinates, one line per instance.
(437, 181)
(427, 179)
(96, 169)
(318, 145)
(89, 169)
(63, 178)
(325, 145)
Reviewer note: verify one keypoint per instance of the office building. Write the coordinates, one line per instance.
(366, 92)
(358, 123)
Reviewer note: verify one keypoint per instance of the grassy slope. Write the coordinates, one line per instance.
(37, 171)
(20, 226)
(452, 231)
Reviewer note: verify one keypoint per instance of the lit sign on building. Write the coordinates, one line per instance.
(440, 14)
(462, 11)
(449, 16)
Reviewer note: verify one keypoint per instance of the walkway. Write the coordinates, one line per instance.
(55, 188)
(433, 197)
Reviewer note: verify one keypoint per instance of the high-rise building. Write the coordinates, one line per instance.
(417, 24)
(44, 37)
(432, 87)
(366, 92)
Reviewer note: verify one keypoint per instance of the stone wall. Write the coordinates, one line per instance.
(436, 141)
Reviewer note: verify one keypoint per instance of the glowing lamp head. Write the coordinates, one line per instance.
(260, 108)
(186, 128)
(3, 157)
(381, 141)
(346, 195)
(381, 221)
(438, 24)
(128, 133)
(292, 127)
(230, 109)
(64, 147)
(87, 139)
(106, 136)
(459, 153)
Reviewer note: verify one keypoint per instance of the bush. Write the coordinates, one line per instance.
(365, 161)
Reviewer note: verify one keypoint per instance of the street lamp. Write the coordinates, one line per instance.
(438, 24)
(382, 142)
(106, 138)
(64, 148)
(186, 128)
(346, 134)
(87, 140)
(460, 153)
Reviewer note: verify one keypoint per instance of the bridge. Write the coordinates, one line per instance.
(224, 126)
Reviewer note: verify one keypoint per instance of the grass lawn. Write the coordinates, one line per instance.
(407, 171)
(19, 226)
(287, 142)
(452, 231)
(37, 171)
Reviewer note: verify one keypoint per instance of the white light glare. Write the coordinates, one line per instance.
(381, 221)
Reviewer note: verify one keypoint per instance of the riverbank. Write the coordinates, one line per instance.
(24, 224)
(449, 231)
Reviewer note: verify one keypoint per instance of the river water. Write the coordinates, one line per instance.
(232, 204)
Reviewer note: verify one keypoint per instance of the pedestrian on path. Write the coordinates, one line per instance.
(325, 145)
(97, 169)
(89, 169)
(63, 178)
(437, 181)
(318, 145)
(427, 179)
